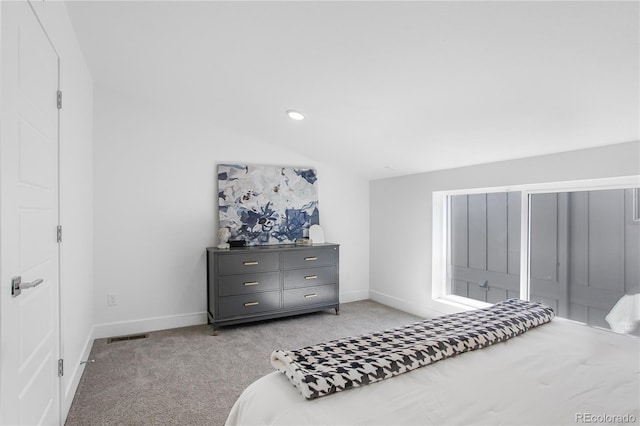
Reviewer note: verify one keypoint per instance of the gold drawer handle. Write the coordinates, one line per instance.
(309, 296)
(251, 304)
(250, 263)
(311, 277)
(309, 259)
(248, 283)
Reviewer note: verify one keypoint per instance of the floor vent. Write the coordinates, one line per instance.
(129, 337)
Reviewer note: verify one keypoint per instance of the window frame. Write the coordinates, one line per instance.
(441, 240)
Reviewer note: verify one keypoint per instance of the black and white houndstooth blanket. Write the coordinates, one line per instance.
(342, 364)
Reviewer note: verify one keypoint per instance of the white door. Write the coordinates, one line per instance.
(29, 322)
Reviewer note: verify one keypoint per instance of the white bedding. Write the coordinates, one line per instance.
(558, 373)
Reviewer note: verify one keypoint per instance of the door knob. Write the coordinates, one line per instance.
(17, 285)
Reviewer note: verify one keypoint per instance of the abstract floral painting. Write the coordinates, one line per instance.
(267, 204)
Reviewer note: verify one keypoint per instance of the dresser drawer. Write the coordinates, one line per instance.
(309, 258)
(309, 277)
(246, 263)
(309, 296)
(230, 285)
(248, 304)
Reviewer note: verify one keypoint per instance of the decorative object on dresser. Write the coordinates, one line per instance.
(254, 283)
(304, 242)
(316, 233)
(223, 236)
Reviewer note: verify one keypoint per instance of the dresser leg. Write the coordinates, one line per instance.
(215, 331)
(337, 311)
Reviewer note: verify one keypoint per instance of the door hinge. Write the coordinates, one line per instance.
(59, 98)
(59, 234)
(60, 367)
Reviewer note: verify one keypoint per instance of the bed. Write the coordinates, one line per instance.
(558, 373)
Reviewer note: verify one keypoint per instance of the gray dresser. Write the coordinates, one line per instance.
(262, 282)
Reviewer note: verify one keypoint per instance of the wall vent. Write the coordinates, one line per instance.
(126, 338)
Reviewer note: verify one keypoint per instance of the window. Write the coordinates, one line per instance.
(578, 246)
(484, 258)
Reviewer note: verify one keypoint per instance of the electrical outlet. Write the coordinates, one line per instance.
(111, 300)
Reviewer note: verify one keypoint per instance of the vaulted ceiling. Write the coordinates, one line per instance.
(387, 88)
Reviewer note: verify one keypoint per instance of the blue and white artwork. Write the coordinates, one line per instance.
(267, 204)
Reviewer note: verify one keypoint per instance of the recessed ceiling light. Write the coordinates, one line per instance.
(295, 115)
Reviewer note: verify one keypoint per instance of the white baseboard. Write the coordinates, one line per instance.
(72, 385)
(123, 328)
(353, 296)
(405, 305)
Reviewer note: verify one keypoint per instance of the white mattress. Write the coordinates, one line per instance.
(550, 375)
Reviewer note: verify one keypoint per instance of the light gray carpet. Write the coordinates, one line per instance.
(186, 376)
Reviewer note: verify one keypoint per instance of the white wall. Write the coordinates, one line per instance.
(401, 213)
(156, 211)
(76, 203)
